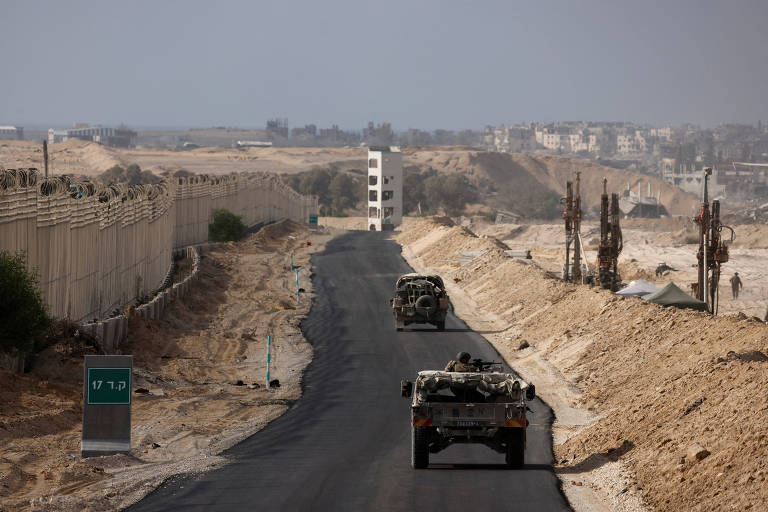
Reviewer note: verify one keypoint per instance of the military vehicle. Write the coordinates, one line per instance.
(487, 406)
(420, 299)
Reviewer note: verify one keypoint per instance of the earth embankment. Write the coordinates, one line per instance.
(674, 396)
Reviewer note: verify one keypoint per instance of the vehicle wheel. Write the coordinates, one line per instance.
(515, 456)
(420, 447)
(441, 326)
(426, 305)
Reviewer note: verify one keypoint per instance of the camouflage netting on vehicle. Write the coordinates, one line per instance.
(501, 386)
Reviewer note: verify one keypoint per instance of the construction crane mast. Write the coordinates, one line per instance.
(572, 217)
(713, 251)
(611, 241)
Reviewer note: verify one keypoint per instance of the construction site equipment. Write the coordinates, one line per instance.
(611, 242)
(572, 216)
(713, 251)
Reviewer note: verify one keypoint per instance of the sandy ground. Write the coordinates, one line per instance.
(656, 407)
(188, 365)
(648, 242)
(90, 159)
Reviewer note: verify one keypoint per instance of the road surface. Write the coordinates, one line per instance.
(345, 446)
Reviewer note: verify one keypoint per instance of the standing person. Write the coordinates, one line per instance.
(736, 285)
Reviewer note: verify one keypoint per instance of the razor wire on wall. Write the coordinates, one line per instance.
(97, 249)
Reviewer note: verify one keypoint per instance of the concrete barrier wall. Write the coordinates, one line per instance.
(113, 331)
(97, 249)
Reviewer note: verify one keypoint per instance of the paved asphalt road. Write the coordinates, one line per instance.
(346, 444)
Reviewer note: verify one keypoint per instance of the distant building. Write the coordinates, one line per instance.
(278, 127)
(513, 139)
(662, 133)
(56, 136)
(693, 182)
(11, 133)
(630, 144)
(119, 137)
(634, 204)
(385, 188)
(253, 144)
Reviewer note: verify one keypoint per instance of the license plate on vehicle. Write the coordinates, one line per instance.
(466, 423)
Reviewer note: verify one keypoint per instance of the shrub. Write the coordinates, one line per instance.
(226, 227)
(23, 315)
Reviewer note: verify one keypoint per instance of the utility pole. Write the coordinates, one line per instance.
(45, 157)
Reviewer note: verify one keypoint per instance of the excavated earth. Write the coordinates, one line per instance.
(199, 382)
(656, 407)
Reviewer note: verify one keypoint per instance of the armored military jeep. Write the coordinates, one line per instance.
(420, 299)
(487, 406)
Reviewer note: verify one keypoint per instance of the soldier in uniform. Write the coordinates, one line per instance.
(736, 285)
(460, 364)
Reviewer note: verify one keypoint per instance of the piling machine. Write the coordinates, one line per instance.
(713, 250)
(611, 242)
(572, 217)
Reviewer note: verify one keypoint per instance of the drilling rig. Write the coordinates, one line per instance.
(611, 242)
(713, 250)
(572, 216)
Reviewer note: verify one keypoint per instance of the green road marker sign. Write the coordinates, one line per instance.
(313, 222)
(109, 386)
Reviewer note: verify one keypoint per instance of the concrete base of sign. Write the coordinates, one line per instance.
(101, 447)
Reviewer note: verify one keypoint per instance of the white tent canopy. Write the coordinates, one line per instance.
(637, 288)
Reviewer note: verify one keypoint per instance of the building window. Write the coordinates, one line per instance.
(373, 180)
(386, 195)
(373, 163)
(389, 211)
(373, 195)
(373, 212)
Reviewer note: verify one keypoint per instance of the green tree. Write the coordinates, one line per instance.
(132, 175)
(226, 227)
(451, 192)
(112, 175)
(23, 315)
(413, 189)
(341, 191)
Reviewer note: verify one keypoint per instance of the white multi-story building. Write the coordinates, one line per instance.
(630, 144)
(385, 188)
(662, 133)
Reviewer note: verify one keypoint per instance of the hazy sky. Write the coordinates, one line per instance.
(425, 64)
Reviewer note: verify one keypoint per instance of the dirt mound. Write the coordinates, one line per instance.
(534, 176)
(645, 386)
(753, 236)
